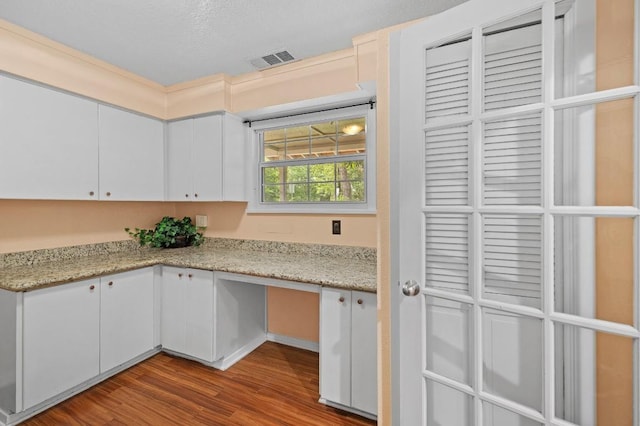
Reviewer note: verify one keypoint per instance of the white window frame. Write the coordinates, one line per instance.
(256, 205)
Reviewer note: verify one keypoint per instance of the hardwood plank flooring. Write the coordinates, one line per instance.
(274, 385)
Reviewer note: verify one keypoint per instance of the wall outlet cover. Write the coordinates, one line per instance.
(201, 221)
(336, 227)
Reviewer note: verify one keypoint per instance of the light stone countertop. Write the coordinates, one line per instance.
(333, 266)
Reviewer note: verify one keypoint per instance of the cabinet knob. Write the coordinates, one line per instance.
(110, 284)
(92, 287)
(360, 302)
(91, 193)
(179, 275)
(186, 195)
(190, 275)
(195, 195)
(108, 194)
(341, 299)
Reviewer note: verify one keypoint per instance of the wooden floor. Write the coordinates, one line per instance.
(274, 385)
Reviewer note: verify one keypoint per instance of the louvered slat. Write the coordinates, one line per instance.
(447, 166)
(513, 69)
(512, 253)
(447, 252)
(512, 161)
(447, 81)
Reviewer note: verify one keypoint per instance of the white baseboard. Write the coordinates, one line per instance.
(347, 408)
(294, 342)
(228, 361)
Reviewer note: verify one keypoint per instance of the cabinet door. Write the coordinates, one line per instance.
(173, 330)
(131, 156)
(207, 158)
(335, 345)
(179, 170)
(364, 382)
(49, 143)
(61, 333)
(126, 317)
(199, 314)
(234, 161)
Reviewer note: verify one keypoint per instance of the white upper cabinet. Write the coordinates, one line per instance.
(179, 180)
(131, 156)
(233, 159)
(205, 159)
(49, 143)
(61, 146)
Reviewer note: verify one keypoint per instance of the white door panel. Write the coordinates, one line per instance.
(448, 339)
(513, 358)
(447, 406)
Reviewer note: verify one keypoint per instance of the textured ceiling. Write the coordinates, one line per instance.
(171, 41)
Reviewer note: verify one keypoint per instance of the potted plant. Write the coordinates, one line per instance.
(169, 233)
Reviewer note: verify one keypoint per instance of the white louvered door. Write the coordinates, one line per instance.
(493, 170)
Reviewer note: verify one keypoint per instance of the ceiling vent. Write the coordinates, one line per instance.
(272, 60)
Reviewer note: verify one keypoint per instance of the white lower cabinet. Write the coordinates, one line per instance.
(187, 312)
(126, 317)
(348, 352)
(80, 333)
(74, 332)
(61, 339)
(364, 350)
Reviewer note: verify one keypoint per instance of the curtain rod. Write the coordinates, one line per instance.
(371, 103)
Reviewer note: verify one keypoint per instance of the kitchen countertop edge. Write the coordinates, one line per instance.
(329, 271)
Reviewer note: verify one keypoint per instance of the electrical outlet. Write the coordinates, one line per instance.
(335, 227)
(201, 221)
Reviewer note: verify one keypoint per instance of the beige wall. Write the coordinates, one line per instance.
(32, 224)
(293, 313)
(614, 187)
(228, 220)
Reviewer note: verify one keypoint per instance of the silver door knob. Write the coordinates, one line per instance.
(411, 288)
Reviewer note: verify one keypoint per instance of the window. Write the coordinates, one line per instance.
(316, 163)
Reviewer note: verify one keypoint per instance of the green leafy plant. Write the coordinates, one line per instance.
(169, 233)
